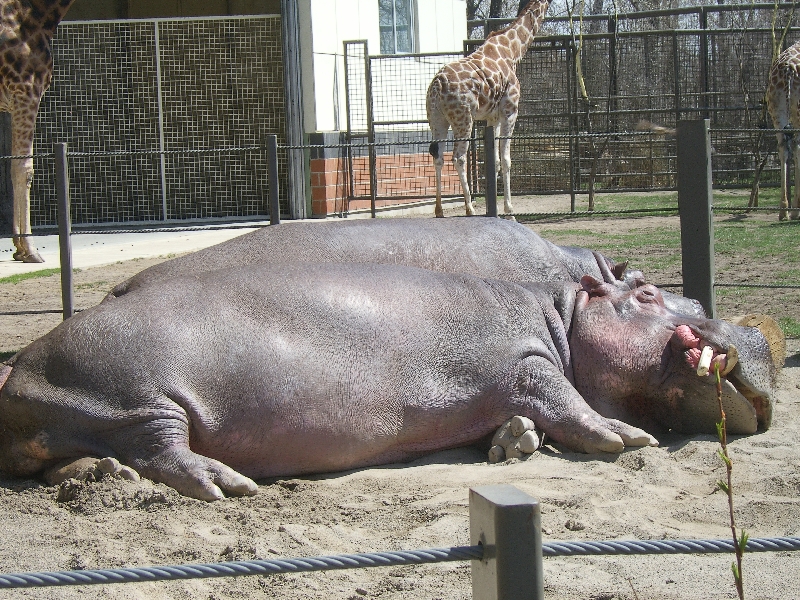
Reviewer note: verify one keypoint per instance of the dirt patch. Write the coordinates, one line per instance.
(652, 493)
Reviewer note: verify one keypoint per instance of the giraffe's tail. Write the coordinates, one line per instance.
(434, 150)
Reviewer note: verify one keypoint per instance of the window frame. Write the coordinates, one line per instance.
(412, 26)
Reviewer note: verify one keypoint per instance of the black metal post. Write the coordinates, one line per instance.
(272, 180)
(64, 230)
(695, 198)
(490, 168)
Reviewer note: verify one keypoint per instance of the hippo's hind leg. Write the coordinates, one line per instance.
(160, 451)
(197, 476)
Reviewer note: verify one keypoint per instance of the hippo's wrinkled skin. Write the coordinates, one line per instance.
(292, 369)
(477, 246)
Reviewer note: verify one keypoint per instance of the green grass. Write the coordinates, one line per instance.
(790, 327)
(32, 275)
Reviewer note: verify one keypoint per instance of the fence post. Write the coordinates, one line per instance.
(272, 180)
(508, 524)
(64, 229)
(695, 198)
(490, 168)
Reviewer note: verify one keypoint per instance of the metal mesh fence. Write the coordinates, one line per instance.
(642, 72)
(155, 86)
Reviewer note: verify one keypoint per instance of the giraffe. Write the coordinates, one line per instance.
(26, 67)
(783, 104)
(482, 86)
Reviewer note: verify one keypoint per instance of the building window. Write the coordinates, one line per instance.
(397, 29)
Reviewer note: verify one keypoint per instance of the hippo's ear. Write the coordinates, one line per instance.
(618, 270)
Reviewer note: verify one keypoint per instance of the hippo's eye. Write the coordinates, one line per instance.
(648, 294)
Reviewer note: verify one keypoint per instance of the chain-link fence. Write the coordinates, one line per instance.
(159, 91)
(640, 72)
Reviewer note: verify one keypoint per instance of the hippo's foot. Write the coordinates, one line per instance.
(516, 438)
(197, 476)
(596, 433)
(88, 469)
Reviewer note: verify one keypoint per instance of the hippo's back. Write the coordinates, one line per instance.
(475, 246)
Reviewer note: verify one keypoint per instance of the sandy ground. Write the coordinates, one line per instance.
(667, 492)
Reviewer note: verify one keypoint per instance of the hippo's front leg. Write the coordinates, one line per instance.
(160, 451)
(562, 413)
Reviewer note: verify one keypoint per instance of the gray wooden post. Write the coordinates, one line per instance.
(490, 168)
(508, 524)
(272, 180)
(64, 229)
(695, 198)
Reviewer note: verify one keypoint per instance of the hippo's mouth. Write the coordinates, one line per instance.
(747, 408)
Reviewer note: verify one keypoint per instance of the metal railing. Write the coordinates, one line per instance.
(507, 554)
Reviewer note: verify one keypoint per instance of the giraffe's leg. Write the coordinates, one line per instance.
(793, 144)
(438, 163)
(783, 155)
(23, 119)
(506, 131)
(460, 161)
(439, 126)
(795, 214)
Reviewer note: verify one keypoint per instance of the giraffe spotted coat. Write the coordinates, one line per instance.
(783, 104)
(26, 68)
(482, 86)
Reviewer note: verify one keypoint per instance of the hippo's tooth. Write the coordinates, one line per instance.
(732, 357)
(705, 361)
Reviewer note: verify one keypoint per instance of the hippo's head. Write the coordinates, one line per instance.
(636, 360)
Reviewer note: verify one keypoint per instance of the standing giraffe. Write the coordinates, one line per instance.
(26, 67)
(482, 86)
(783, 103)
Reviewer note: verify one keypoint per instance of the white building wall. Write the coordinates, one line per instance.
(440, 26)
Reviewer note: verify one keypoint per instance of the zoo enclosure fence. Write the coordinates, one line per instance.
(506, 554)
(641, 68)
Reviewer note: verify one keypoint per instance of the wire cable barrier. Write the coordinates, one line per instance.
(377, 559)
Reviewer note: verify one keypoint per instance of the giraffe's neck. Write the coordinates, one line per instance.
(45, 15)
(526, 26)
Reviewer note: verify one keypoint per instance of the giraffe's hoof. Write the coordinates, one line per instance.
(28, 257)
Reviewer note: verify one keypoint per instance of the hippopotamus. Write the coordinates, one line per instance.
(484, 247)
(208, 382)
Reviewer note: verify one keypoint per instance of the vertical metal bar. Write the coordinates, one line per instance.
(508, 524)
(297, 158)
(694, 204)
(676, 69)
(490, 168)
(64, 230)
(272, 180)
(161, 138)
(6, 187)
(572, 104)
(704, 95)
(373, 160)
(348, 150)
